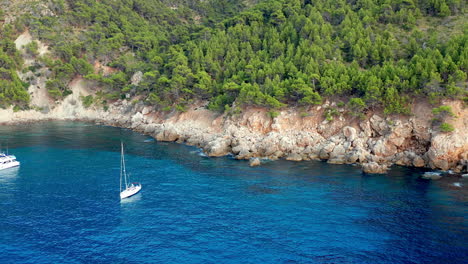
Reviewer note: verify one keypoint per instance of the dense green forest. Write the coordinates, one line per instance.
(269, 53)
(12, 89)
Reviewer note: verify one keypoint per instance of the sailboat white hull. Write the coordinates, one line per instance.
(131, 190)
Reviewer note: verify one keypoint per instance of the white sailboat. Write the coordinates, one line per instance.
(130, 189)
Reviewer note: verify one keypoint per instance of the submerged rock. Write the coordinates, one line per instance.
(254, 162)
(431, 175)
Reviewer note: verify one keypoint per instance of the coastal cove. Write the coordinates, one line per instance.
(376, 142)
(248, 131)
(62, 205)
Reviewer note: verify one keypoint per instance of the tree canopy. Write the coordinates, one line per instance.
(270, 53)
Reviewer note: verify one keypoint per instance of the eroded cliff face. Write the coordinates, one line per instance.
(376, 142)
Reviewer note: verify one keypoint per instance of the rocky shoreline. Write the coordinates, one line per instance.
(374, 142)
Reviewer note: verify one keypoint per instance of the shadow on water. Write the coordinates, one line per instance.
(8, 175)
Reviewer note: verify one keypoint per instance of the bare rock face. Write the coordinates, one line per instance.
(326, 150)
(378, 124)
(152, 129)
(218, 147)
(418, 162)
(137, 119)
(268, 146)
(136, 78)
(294, 157)
(258, 122)
(146, 110)
(384, 148)
(337, 160)
(366, 129)
(403, 159)
(421, 128)
(402, 130)
(374, 167)
(400, 133)
(353, 156)
(167, 134)
(350, 133)
(446, 150)
(337, 156)
(339, 150)
(242, 152)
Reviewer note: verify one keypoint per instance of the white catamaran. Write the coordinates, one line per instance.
(130, 189)
(8, 161)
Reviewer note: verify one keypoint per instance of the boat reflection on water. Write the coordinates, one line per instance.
(131, 199)
(9, 174)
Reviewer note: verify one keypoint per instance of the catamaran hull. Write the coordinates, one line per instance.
(9, 165)
(130, 191)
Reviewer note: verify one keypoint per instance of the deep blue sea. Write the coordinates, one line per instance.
(62, 206)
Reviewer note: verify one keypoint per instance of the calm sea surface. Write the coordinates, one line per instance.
(62, 206)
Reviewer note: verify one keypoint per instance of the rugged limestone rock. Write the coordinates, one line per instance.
(374, 167)
(418, 162)
(151, 129)
(337, 160)
(378, 124)
(446, 150)
(167, 134)
(326, 150)
(384, 148)
(218, 147)
(352, 157)
(350, 133)
(137, 119)
(375, 143)
(294, 157)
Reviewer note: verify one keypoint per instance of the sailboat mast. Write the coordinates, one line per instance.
(121, 149)
(123, 166)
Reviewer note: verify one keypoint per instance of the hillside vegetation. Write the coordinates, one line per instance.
(269, 53)
(12, 89)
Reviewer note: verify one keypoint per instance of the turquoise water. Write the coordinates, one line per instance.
(62, 206)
